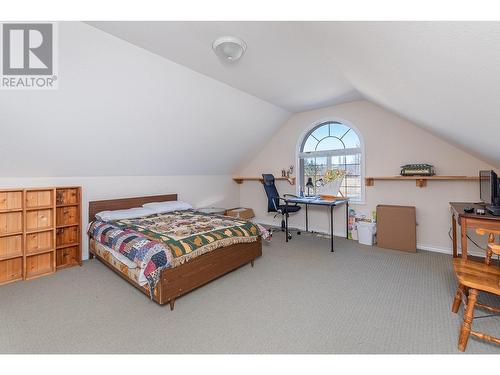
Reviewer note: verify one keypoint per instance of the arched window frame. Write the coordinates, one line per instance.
(300, 155)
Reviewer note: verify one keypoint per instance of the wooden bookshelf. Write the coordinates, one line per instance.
(420, 181)
(39, 232)
(33, 242)
(68, 224)
(11, 236)
(239, 180)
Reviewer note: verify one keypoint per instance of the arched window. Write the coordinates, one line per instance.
(328, 147)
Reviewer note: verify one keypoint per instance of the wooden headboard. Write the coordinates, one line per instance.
(124, 203)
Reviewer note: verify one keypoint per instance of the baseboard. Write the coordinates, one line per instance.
(449, 250)
(435, 249)
(420, 246)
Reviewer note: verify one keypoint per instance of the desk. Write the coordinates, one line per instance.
(469, 221)
(314, 201)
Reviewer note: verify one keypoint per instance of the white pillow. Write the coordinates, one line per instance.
(124, 214)
(169, 206)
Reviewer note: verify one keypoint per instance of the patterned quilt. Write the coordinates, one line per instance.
(167, 240)
(189, 234)
(150, 256)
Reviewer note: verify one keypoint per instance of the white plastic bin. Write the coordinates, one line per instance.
(366, 232)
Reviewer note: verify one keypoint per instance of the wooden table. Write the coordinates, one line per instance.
(469, 221)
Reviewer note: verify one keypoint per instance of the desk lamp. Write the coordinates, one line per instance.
(309, 185)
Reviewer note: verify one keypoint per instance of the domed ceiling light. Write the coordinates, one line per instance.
(229, 48)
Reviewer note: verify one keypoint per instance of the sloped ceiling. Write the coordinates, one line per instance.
(121, 110)
(443, 76)
(280, 66)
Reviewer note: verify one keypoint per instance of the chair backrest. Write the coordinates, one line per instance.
(271, 192)
(492, 248)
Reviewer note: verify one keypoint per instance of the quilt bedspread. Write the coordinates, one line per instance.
(151, 256)
(167, 240)
(189, 234)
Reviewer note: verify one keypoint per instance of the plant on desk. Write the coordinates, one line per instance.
(331, 183)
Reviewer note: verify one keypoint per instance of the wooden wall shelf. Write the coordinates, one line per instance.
(239, 180)
(420, 181)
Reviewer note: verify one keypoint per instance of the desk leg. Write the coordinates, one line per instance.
(347, 220)
(286, 226)
(286, 221)
(463, 225)
(454, 235)
(331, 226)
(307, 221)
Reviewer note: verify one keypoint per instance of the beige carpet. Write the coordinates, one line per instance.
(299, 298)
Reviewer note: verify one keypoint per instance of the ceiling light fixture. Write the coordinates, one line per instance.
(229, 48)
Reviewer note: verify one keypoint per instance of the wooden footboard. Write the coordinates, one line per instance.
(198, 271)
(175, 282)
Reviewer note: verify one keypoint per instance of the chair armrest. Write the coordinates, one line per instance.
(290, 195)
(286, 202)
(495, 248)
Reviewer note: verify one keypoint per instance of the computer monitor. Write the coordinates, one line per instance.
(488, 187)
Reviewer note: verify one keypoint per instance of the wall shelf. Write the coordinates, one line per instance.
(420, 181)
(239, 180)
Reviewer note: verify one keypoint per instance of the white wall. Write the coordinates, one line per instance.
(200, 191)
(121, 110)
(390, 142)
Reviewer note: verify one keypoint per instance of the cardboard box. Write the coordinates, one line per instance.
(397, 227)
(240, 213)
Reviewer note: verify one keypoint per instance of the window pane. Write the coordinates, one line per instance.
(321, 132)
(320, 160)
(352, 180)
(353, 159)
(315, 169)
(329, 143)
(353, 192)
(310, 144)
(351, 140)
(321, 167)
(338, 130)
(353, 169)
(338, 160)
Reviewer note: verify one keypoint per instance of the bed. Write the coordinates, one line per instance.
(182, 277)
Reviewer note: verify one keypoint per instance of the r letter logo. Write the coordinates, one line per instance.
(28, 56)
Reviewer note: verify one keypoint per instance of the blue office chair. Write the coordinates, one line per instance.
(274, 199)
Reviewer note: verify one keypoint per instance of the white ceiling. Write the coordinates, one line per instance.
(444, 76)
(279, 66)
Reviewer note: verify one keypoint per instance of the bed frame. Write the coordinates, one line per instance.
(175, 282)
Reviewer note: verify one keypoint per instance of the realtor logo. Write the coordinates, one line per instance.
(28, 55)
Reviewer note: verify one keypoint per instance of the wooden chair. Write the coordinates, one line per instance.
(492, 247)
(474, 277)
